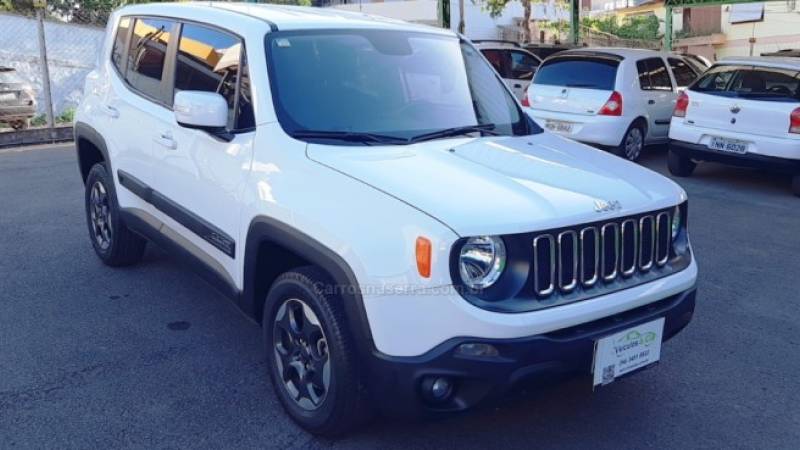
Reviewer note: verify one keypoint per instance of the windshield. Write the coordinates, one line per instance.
(9, 76)
(580, 72)
(398, 87)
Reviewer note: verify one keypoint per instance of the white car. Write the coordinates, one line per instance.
(621, 99)
(514, 64)
(372, 195)
(743, 112)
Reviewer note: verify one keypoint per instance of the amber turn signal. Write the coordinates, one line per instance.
(424, 257)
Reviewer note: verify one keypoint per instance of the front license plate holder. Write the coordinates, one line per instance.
(627, 351)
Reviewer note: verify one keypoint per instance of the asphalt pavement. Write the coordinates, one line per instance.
(151, 356)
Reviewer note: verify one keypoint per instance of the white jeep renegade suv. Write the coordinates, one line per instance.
(371, 193)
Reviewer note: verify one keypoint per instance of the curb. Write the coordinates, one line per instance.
(36, 136)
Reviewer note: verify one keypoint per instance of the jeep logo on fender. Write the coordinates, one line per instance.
(607, 206)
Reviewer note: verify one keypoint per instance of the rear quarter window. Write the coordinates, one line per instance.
(580, 72)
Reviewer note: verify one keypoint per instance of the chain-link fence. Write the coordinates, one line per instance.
(70, 49)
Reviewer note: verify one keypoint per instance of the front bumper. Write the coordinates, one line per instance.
(700, 152)
(396, 381)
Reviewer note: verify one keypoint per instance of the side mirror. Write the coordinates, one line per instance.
(202, 110)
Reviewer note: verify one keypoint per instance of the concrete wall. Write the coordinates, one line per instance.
(419, 11)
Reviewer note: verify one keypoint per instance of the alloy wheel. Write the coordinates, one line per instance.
(301, 354)
(634, 142)
(100, 214)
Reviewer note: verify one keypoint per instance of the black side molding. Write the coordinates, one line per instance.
(84, 132)
(199, 226)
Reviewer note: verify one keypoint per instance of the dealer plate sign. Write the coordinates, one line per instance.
(629, 350)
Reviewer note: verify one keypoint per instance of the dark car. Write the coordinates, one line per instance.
(17, 100)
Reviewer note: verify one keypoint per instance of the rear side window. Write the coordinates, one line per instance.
(211, 60)
(121, 43)
(580, 72)
(147, 54)
(684, 75)
(751, 82)
(653, 75)
(523, 65)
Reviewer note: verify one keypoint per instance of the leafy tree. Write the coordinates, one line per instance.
(634, 27)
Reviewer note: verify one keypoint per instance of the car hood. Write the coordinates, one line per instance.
(501, 185)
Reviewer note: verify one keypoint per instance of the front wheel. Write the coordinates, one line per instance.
(680, 166)
(311, 354)
(632, 143)
(796, 185)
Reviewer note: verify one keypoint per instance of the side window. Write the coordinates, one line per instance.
(120, 44)
(146, 55)
(716, 79)
(653, 75)
(684, 75)
(523, 65)
(499, 59)
(644, 75)
(213, 61)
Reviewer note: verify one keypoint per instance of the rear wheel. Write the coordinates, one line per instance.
(796, 185)
(20, 124)
(632, 143)
(680, 166)
(311, 354)
(113, 242)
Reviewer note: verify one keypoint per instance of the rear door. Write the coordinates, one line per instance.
(136, 103)
(658, 95)
(747, 99)
(575, 84)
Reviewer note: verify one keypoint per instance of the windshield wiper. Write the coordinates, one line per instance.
(455, 131)
(350, 136)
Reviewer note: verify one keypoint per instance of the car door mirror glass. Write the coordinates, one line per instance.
(202, 110)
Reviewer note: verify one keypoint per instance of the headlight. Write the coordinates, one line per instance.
(676, 222)
(481, 261)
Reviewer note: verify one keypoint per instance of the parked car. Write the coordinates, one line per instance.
(698, 62)
(621, 99)
(546, 50)
(514, 64)
(17, 99)
(372, 195)
(743, 112)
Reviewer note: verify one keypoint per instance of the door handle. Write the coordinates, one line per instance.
(518, 86)
(165, 140)
(651, 102)
(110, 111)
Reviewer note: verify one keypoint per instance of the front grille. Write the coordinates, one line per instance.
(590, 256)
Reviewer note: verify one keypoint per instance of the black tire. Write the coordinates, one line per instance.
(113, 242)
(680, 166)
(796, 185)
(342, 405)
(20, 124)
(632, 143)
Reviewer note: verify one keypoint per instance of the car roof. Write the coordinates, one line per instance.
(777, 62)
(280, 17)
(633, 53)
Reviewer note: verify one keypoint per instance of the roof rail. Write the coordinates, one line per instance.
(498, 41)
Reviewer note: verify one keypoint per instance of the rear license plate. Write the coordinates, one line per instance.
(558, 126)
(7, 96)
(627, 351)
(728, 145)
